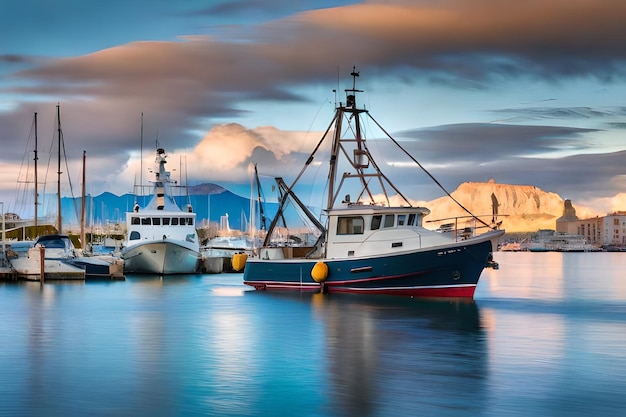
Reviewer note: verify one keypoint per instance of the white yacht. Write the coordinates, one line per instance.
(161, 238)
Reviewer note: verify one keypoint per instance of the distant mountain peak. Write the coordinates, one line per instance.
(205, 189)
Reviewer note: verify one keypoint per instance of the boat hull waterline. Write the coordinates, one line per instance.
(161, 257)
(447, 271)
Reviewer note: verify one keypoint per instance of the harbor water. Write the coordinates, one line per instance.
(545, 336)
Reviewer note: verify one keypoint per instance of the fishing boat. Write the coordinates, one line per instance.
(365, 245)
(161, 238)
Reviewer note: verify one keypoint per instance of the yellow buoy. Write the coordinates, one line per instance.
(319, 273)
(239, 261)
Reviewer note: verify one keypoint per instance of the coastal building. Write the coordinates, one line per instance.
(591, 230)
(614, 229)
(609, 230)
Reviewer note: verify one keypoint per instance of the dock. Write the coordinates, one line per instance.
(7, 273)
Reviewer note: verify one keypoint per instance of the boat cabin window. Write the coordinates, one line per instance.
(175, 221)
(53, 244)
(134, 235)
(389, 220)
(376, 222)
(186, 220)
(350, 225)
(134, 220)
(412, 220)
(166, 221)
(156, 221)
(401, 219)
(145, 220)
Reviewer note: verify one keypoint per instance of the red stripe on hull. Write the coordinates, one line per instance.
(431, 292)
(460, 291)
(288, 286)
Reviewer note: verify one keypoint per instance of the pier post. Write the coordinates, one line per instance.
(42, 263)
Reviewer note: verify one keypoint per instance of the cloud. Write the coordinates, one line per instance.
(486, 142)
(191, 89)
(231, 147)
(618, 202)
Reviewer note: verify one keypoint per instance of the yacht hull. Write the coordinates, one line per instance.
(160, 257)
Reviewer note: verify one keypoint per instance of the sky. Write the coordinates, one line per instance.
(523, 92)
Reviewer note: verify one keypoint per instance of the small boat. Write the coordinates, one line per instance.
(511, 247)
(59, 247)
(548, 240)
(25, 260)
(366, 246)
(161, 238)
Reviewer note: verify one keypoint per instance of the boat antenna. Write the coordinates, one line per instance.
(335, 90)
(354, 74)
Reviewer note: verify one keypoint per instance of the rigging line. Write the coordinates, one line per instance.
(426, 171)
(317, 172)
(50, 153)
(312, 155)
(69, 179)
(21, 185)
(385, 177)
(379, 172)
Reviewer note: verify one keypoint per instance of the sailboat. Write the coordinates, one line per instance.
(365, 246)
(161, 238)
(61, 260)
(59, 246)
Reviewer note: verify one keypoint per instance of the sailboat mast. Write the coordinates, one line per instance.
(141, 159)
(260, 200)
(82, 207)
(36, 190)
(59, 219)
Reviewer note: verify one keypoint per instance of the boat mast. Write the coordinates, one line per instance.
(140, 160)
(260, 199)
(332, 173)
(59, 225)
(360, 153)
(82, 208)
(36, 191)
(355, 153)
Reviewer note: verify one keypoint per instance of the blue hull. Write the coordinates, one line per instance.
(94, 268)
(449, 272)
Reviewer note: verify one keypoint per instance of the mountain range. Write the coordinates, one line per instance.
(520, 208)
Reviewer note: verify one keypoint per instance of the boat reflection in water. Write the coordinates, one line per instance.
(393, 356)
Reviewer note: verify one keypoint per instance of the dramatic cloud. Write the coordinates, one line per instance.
(206, 88)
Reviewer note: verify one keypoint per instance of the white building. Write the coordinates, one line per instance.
(614, 229)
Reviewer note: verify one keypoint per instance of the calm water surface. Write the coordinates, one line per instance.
(546, 336)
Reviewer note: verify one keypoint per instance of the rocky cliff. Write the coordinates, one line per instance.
(521, 208)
